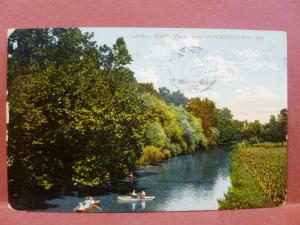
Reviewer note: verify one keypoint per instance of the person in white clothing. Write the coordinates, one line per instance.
(143, 195)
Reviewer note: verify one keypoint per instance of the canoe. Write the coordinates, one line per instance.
(132, 199)
(84, 209)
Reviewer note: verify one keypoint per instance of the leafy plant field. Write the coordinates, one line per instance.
(258, 174)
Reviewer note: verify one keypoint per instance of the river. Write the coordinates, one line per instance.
(189, 182)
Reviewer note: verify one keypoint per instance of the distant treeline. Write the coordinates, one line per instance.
(79, 117)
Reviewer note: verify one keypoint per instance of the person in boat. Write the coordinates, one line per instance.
(85, 202)
(130, 177)
(143, 195)
(91, 199)
(88, 202)
(134, 194)
(84, 205)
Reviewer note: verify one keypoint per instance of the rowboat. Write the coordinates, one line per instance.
(129, 198)
(128, 179)
(81, 208)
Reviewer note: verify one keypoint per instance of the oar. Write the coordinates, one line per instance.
(98, 207)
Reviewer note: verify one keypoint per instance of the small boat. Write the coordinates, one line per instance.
(129, 198)
(128, 179)
(81, 208)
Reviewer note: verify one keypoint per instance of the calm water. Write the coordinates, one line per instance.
(191, 182)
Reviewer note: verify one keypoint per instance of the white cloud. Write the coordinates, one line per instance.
(248, 54)
(253, 59)
(209, 94)
(252, 103)
(226, 71)
(157, 51)
(202, 73)
(144, 75)
(251, 93)
(171, 46)
(218, 68)
(272, 66)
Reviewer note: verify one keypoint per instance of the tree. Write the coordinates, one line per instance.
(158, 110)
(229, 129)
(206, 111)
(71, 121)
(276, 129)
(155, 135)
(148, 88)
(175, 98)
(271, 129)
(214, 136)
(118, 56)
(192, 129)
(28, 48)
(33, 50)
(282, 120)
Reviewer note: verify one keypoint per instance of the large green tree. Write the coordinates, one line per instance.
(276, 129)
(33, 50)
(229, 129)
(72, 120)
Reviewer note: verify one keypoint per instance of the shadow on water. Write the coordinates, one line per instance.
(32, 202)
(142, 173)
(189, 182)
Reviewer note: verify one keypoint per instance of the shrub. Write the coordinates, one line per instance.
(151, 155)
(155, 135)
(192, 129)
(167, 154)
(158, 110)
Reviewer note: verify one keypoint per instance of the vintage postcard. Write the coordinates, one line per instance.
(146, 119)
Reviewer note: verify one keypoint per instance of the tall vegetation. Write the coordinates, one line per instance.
(276, 129)
(258, 174)
(79, 117)
(205, 110)
(73, 120)
(175, 98)
(169, 127)
(229, 128)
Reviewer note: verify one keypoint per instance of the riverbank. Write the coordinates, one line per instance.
(258, 176)
(183, 183)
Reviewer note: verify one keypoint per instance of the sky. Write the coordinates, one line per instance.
(243, 70)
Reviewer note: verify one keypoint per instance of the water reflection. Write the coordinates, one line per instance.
(191, 182)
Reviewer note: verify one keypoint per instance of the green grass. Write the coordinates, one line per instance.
(258, 176)
(269, 144)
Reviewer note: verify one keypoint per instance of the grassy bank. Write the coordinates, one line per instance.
(258, 176)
